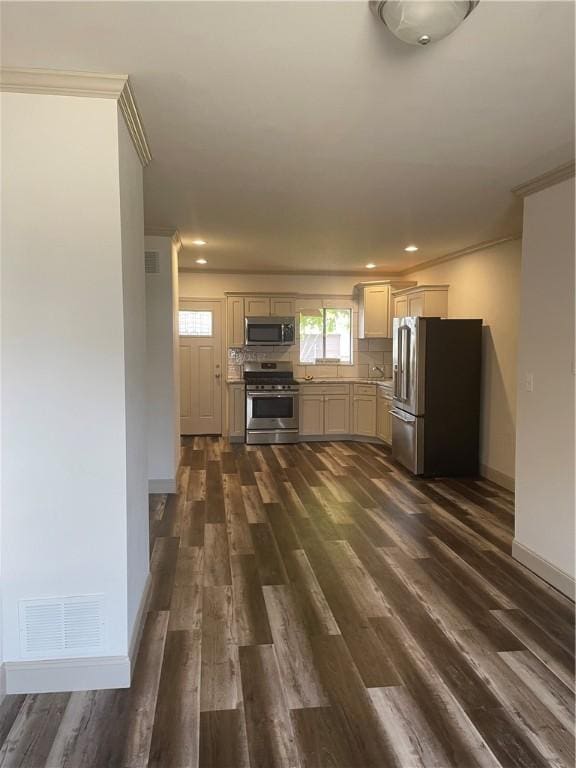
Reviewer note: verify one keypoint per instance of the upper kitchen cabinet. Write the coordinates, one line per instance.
(235, 321)
(269, 306)
(421, 301)
(375, 308)
(282, 307)
(257, 306)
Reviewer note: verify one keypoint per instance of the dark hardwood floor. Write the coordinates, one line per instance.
(314, 606)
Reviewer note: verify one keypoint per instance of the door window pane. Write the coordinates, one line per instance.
(195, 322)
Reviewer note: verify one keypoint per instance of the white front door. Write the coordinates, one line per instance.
(200, 327)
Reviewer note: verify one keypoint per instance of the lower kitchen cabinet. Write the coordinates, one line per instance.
(312, 414)
(365, 415)
(383, 418)
(364, 410)
(236, 410)
(336, 414)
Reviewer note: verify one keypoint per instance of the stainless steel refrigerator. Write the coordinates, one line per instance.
(436, 413)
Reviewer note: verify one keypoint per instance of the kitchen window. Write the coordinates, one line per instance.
(326, 335)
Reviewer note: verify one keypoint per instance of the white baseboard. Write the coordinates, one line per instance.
(139, 621)
(168, 485)
(559, 579)
(507, 482)
(76, 674)
(57, 675)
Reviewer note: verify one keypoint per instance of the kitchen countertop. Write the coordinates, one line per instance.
(340, 380)
(343, 380)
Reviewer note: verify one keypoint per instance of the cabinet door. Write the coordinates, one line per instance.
(256, 306)
(236, 410)
(336, 414)
(235, 321)
(416, 305)
(377, 311)
(282, 307)
(384, 424)
(401, 306)
(312, 414)
(365, 416)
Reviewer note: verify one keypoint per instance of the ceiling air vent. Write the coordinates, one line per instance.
(152, 262)
(62, 626)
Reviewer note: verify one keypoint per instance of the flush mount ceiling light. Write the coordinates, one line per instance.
(198, 242)
(201, 261)
(370, 266)
(419, 22)
(411, 248)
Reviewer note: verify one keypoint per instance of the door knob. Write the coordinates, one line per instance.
(217, 375)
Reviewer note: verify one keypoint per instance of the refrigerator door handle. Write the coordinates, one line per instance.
(404, 344)
(407, 417)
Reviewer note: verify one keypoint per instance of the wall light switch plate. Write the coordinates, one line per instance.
(529, 384)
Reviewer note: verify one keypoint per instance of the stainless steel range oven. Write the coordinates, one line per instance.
(271, 403)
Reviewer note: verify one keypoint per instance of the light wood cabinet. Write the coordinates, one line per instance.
(375, 312)
(376, 309)
(256, 306)
(281, 307)
(325, 409)
(312, 414)
(401, 306)
(364, 410)
(383, 417)
(235, 321)
(421, 301)
(336, 414)
(236, 410)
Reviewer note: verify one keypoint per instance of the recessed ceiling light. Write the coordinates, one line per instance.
(198, 242)
(411, 248)
(201, 261)
(370, 266)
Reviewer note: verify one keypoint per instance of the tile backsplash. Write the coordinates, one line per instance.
(367, 353)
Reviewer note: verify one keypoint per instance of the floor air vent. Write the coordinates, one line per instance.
(152, 262)
(62, 626)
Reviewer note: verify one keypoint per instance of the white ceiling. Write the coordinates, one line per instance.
(303, 136)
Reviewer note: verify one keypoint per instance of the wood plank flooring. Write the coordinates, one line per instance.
(313, 606)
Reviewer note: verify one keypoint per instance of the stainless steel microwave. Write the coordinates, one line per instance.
(269, 331)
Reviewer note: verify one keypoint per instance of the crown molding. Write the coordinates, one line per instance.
(548, 179)
(161, 231)
(56, 82)
(303, 273)
(482, 246)
(170, 232)
(133, 122)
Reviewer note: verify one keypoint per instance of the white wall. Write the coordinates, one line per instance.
(215, 285)
(162, 356)
(70, 471)
(545, 439)
(135, 368)
(486, 285)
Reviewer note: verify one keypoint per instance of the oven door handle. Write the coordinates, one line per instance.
(270, 394)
